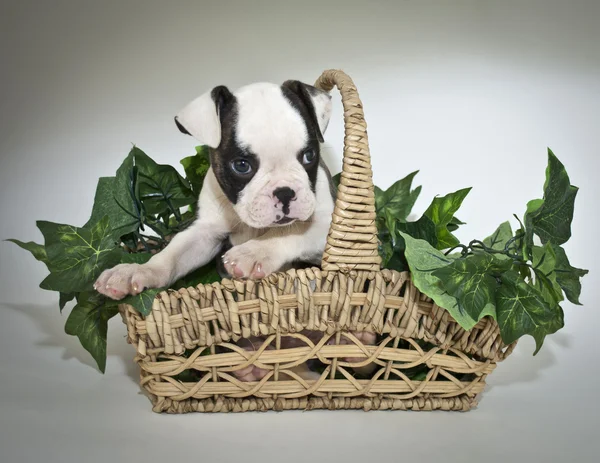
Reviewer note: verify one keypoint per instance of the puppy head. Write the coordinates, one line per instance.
(265, 147)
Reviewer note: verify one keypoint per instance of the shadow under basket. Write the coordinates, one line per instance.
(189, 347)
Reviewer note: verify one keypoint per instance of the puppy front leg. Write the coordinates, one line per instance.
(188, 250)
(268, 253)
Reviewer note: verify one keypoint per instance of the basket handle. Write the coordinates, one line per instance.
(352, 242)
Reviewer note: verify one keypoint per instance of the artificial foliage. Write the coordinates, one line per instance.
(519, 278)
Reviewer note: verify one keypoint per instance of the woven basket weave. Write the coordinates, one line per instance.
(348, 294)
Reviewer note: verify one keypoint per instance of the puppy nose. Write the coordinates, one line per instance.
(284, 194)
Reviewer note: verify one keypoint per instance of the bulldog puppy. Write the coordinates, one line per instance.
(267, 193)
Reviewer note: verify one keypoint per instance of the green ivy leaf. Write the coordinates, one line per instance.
(143, 302)
(76, 256)
(161, 187)
(158, 226)
(89, 322)
(120, 220)
(204, 275)
(188, 376)
(544, 265)
(37, 250)
(567, 276)
(392, 251)
(386, 249)
(423, 259)
(178, 224)
(336, 181)
(473, 281)
(532, 207)
(396, 202)
(196, 168)
(126, 189)
(130, 242)
(522, 310)
(454, 224)
(498, 239)
(136, 258)
(397, 262)
(64, 299)
(390, 224)
(550, 218)
(144, 187)
(422, 229)
(441, 212)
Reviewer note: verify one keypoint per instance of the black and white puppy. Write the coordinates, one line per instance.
(267, 191)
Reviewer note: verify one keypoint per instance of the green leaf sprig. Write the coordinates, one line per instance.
(135, 214)
(506, 276)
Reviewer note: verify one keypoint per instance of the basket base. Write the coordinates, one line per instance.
(462, 402)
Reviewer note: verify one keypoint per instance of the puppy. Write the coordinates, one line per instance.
(267, 190)
(267, 193)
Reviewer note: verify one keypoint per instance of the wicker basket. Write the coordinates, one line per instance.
(349, 293)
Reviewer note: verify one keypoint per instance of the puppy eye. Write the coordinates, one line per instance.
(241, 166)
(308, 157)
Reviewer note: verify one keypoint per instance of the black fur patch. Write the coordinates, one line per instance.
(228, 150)
(298, 95)
(304, 105)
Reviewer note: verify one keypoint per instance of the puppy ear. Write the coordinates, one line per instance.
(316, 101)
(202, 117)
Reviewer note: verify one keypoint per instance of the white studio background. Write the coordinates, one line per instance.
(469, 92)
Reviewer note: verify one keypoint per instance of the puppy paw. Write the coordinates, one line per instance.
(250, 260)
(251, 372)
(366, 338)
(123, 280)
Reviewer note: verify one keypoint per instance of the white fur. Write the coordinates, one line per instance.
(201, 120)
(322, 104)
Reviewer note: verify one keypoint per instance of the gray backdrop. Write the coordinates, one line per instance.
(469, 92)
